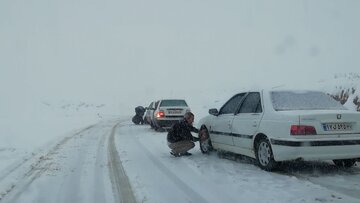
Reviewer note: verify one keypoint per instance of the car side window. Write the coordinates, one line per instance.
(232, 105)
(251, 104)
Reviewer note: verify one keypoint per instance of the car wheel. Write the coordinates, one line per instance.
(152, 124)
(345, 163)
(264, 155)
(146, 121)
(156, 126)
(204, 140)
(160, 129)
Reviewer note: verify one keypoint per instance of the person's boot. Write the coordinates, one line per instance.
(185, 154)
(175, 154)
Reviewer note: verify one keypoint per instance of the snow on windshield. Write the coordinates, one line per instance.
(173, 103)
(303, 100)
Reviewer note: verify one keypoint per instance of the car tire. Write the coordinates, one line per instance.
(156, 126)
(264, 155)
(204, 140)
(152, 125)
(146, 121)
(160, 129)
(345, 163)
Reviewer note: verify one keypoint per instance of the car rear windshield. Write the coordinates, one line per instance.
(173, 102)
(303, 100)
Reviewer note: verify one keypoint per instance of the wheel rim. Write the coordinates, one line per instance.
(264, 153)
(203, 135)
(203, 147)
(204, 140)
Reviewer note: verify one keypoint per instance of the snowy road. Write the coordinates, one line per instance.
(83, 167)
(116, 161)
(158, 177)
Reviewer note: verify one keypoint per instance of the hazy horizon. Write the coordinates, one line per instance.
(101, 50)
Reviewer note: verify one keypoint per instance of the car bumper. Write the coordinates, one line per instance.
(286, 149)
(167, 123)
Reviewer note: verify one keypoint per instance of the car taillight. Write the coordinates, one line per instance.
(302, 130)
(160, 114)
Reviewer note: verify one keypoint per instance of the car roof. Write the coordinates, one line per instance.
(170, 99)
(268, 90)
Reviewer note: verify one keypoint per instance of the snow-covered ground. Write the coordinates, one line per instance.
(79, 167)
(158, 177)
(72, 72)
(64, 153)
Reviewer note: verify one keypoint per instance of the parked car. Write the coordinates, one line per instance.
(169, 111)
(149, 114)
(275, 126)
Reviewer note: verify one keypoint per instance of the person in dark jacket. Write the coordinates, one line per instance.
(139, 114)
(179, 137)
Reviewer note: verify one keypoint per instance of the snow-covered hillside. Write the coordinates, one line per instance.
(344, 88)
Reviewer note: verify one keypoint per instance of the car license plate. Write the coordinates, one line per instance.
(174, 111)
(337, 126)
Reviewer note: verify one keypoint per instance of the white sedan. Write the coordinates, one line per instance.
(274, 126)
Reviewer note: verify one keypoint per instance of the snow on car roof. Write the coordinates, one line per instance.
(303, 100)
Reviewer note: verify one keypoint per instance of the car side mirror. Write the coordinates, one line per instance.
(214, 112)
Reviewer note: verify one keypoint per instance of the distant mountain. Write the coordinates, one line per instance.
(70, 108)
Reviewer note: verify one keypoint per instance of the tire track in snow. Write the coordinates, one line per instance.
(352, 192)
(99, 179)
(319, 172)
(15, 166)
(121, 186)
(195, 197)
(84, 179)
(35, 171)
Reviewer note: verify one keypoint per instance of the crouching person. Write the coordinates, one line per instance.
(179, 137)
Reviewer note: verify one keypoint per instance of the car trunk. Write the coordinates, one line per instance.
(330, 123)
(174, 111)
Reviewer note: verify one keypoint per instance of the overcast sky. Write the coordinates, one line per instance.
(92, 49)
